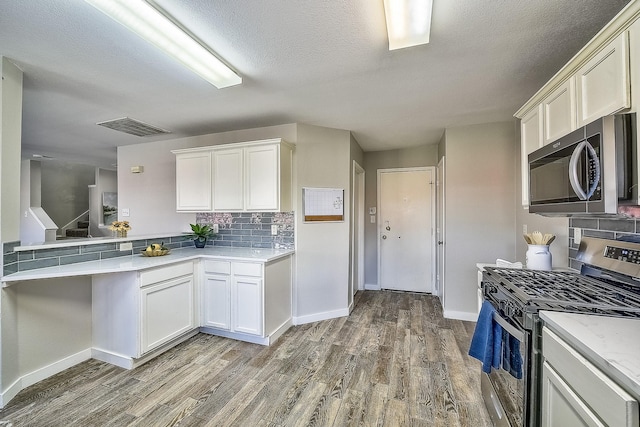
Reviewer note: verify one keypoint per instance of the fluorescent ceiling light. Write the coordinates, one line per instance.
(408, 22)
(157, 28)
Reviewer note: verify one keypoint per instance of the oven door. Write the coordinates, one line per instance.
(503, 394)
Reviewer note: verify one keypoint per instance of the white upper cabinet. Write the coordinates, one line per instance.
(531, 129)
(228, 180)
(248, 176)
(602, 84)
(262, 176)
(559, 112)
(193, 182)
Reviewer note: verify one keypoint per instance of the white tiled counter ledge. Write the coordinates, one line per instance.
(138, 262)
(610, 343)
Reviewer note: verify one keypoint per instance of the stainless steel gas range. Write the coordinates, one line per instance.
(608, 285)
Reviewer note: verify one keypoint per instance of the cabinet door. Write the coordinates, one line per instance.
(606, 399)
(167, 311)
(530, 140)
(560, 405)
(560, 111)
(228, 182)
(247, 305)
(262, 174)
(603, 82)
(193, 182)
(217, 301)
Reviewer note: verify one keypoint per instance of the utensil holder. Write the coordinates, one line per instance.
(538, 257)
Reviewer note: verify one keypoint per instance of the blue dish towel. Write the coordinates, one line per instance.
(511, 358)
(486, 344)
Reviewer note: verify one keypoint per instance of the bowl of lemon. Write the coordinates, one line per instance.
(155, 249)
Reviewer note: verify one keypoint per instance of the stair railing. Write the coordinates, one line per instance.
(84, 216)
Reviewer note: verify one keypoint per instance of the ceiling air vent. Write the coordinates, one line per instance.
(133, 127)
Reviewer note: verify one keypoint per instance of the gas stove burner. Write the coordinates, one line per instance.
(565, 291)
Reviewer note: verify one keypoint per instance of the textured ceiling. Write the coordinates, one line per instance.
(318, 62)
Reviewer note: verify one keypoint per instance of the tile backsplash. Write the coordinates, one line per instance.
(604, 228)
(51, 257)
(241, 230)
(251, 229)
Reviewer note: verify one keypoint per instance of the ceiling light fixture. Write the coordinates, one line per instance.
(159, 29)
(408, 22)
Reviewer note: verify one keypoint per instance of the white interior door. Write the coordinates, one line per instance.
(440, 231)
(406, 225)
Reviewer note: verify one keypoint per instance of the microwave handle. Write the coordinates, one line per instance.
(573, 170)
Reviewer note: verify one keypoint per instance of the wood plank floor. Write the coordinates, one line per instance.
(395, 361)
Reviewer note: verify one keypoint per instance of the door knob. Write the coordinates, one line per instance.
(384, 237)
(440, 242)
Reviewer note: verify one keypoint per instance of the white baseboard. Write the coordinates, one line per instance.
(254, 339)
(120, 360)
(371, 287)
(128, 362)
(316, 317)
(279, 331)
(461, 315)
(42, 373)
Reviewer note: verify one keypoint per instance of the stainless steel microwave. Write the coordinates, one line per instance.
(590, 171)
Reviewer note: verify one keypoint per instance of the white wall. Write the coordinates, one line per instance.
(65, 189)
(10, 144)
(151, 196)
(323, 159)
(480, 219)
(45, 324)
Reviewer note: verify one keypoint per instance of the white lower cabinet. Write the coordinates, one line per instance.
(217, 302)
(247, 305)
(136, 313)
(250, 301)
(167, 311)
(577, 393)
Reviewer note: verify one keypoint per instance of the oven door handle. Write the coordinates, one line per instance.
(517, 334)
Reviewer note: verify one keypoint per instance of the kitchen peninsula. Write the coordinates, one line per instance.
(142, 306)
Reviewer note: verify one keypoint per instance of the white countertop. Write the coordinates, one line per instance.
(610, 343)
(138, 262)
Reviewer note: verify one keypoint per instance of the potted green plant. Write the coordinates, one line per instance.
(200, 234)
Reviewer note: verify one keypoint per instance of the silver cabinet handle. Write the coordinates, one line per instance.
(384, 237)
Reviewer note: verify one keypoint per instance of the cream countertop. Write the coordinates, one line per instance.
(138, 262)
(610, 343)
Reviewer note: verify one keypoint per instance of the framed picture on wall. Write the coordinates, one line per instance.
(323, 204)
(109, 207)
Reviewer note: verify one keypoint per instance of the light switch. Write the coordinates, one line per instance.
(125, 212)
(126, 246)
(215, 228)
(274, 230)
(577, 235)
(373, 219)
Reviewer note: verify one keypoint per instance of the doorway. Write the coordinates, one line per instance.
(406, 238)
(440, 231)
(357, 232)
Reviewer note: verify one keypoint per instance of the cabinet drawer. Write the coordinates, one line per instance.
(247, 269)
(160, 274)
(612, 404)
(217, 267)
